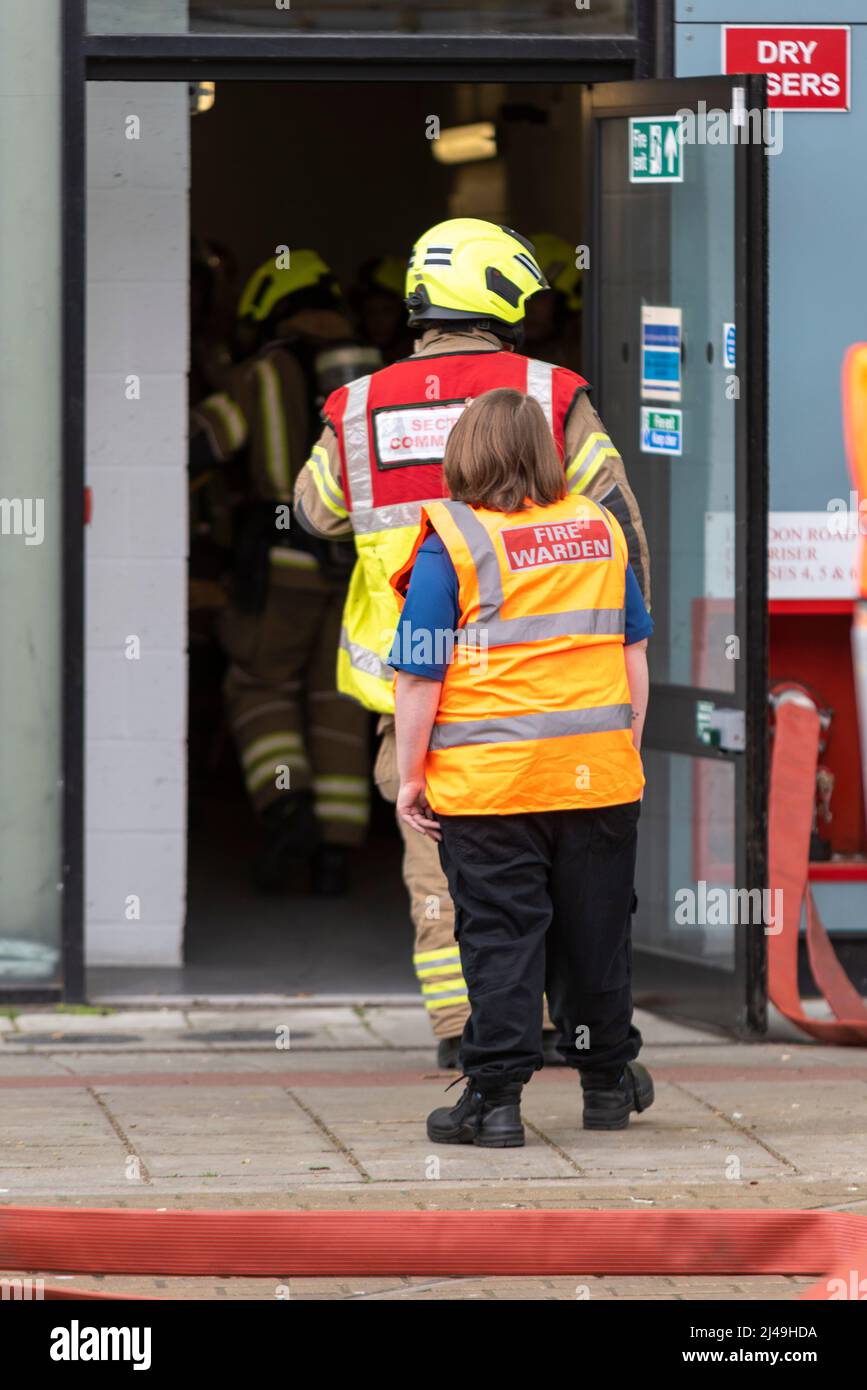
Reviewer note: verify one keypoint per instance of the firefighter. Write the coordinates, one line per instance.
(553, 324)
(550, 679)
(303, 746)
(377, 301)
(380, 457)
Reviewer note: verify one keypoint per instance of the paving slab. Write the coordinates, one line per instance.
(386, 1134)
(123, 1021)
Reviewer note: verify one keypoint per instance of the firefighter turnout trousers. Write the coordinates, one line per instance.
(294, 731)
(436, 957)
(545, 904)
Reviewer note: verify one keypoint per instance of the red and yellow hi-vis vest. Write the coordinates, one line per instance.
(535, 713)
(391, 430)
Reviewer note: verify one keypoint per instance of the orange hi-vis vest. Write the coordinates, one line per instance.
(535, 712)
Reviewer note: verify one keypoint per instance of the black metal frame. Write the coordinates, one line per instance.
(290, 57)
(671, 722)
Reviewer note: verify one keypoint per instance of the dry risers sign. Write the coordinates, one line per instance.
(807, 66)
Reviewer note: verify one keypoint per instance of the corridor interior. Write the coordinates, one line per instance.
(349, 170)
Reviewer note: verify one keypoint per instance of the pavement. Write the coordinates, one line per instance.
(311, 1104)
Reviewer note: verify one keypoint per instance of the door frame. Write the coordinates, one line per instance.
(244, 57)
(671, 713)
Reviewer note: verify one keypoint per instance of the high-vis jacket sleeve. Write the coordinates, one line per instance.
(320, 504)
(595, 468)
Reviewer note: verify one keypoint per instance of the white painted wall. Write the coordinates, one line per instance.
(136, 710)
(30, 471)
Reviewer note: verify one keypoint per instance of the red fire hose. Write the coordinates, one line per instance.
(341, 1244)
(790, 815)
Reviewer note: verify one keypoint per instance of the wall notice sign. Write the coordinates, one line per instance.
(810, 555)
(807, 66)
(661, 329)
(728, 346)
(661, 431)
(655, 149)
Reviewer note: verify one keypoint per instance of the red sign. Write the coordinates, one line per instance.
(807, 66)
(556, 543)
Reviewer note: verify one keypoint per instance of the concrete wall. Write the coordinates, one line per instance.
(137, 270)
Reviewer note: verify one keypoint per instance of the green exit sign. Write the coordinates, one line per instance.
(655, 149)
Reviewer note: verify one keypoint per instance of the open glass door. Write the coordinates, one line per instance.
(675, 351)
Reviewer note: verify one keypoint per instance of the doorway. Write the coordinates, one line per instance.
(523, 182)
(304, 165)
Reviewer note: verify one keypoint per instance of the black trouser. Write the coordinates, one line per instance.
(542, 904)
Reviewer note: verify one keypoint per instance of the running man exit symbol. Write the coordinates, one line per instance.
(655, 149)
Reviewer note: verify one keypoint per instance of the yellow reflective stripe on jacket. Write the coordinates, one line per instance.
(276, 444)
(224, 422)
(588, 460)
(330, 492)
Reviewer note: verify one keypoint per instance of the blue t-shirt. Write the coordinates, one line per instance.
(432, 611)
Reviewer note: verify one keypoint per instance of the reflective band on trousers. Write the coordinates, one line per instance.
(364, 659)
(356, 444)
(522, 728)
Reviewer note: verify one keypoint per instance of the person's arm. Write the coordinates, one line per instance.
(416, 701)
(639, 686)
(594, 467)
(429, 618)
(319, 501)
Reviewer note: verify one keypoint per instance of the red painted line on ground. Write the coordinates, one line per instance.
(294, 1080)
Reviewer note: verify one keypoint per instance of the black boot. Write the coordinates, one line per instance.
(550, 1056)
(490, 1118)
(449, 1054)
(290, 835)
(329, 871)
(609, 1101)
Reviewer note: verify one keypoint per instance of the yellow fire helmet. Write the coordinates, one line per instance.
(557, 259)
(387, 273)
(469, 269)
(307, 280)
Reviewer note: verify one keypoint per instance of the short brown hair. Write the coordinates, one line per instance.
(501, 454)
